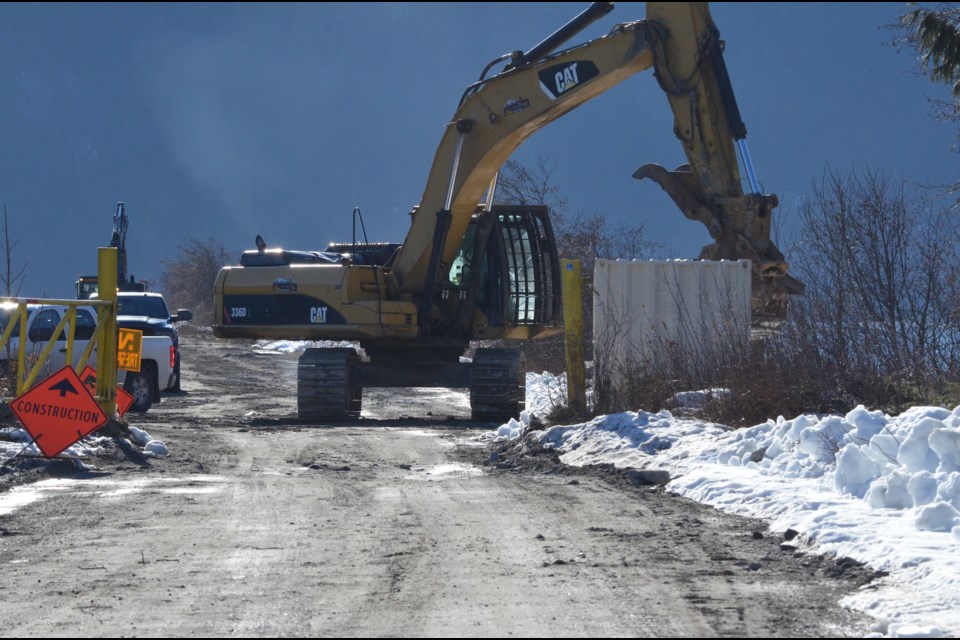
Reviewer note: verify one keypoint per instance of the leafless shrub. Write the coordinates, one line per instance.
(12, 281)
(8, 381)
(761, 379)
(881, 310)
(12, 277)
(829, 443)
(188, 278)
(879, 324)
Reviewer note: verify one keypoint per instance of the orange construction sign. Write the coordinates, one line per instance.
(58, 412)
(129, 349)
(89, 378)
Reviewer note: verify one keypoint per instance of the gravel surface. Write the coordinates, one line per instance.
(400, 523)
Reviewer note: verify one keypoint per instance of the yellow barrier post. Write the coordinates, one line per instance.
(71, 333)
(107, 321)
(45, 352)
(573, 336)
(18, 320)
(22, 353)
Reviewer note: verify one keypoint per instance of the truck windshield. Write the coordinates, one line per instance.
(142, 306)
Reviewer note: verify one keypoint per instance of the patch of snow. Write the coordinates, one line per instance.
(696, 399)
(156, 448)
(139, 436)
(298, 346)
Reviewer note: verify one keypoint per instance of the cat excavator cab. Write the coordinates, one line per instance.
(470, 272)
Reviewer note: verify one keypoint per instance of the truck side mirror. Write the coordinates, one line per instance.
(183, 315)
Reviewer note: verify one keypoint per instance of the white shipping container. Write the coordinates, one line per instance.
(645, 312)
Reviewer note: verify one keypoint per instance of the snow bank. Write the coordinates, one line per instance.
(884, 490)
(544, 392)
(625, 439)
(910, 462)
(156, 448)
(17, 441)
(511, 430)
(881, 489)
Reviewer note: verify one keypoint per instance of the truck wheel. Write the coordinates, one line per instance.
(140, 386)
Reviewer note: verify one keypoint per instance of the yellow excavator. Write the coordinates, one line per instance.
(472, 270)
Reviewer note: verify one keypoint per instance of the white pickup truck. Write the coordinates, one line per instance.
(148, 312)
(157, 360)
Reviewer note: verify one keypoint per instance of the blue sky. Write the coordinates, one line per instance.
(226, 121)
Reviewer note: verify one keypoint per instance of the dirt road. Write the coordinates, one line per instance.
(256, 525)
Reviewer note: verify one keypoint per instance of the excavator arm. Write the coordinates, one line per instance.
(707, 121)
(118, 239)
(496, 115)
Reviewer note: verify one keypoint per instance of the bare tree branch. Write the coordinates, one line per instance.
(189, 277)
(10, 279)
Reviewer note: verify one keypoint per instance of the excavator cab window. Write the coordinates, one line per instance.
(461, 264)
(518, 282)
(522, 270)
(86, 287)
(532, 267)
(485, 298)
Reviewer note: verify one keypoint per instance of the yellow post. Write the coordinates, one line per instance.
(573, 335)
(107, 328)
(71, 333)
(21, 352)
(17, 319)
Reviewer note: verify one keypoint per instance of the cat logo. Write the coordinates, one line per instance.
(318, 315)
(563, 78)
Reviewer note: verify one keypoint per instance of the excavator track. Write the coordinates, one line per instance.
(497, 389)
(323, 385)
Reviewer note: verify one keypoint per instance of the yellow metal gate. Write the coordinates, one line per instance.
(103, 340)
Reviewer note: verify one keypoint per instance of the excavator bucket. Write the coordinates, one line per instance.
(771, 286)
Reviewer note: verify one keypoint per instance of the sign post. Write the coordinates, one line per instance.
(107, 329)
(573, 336)
(124, 400)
